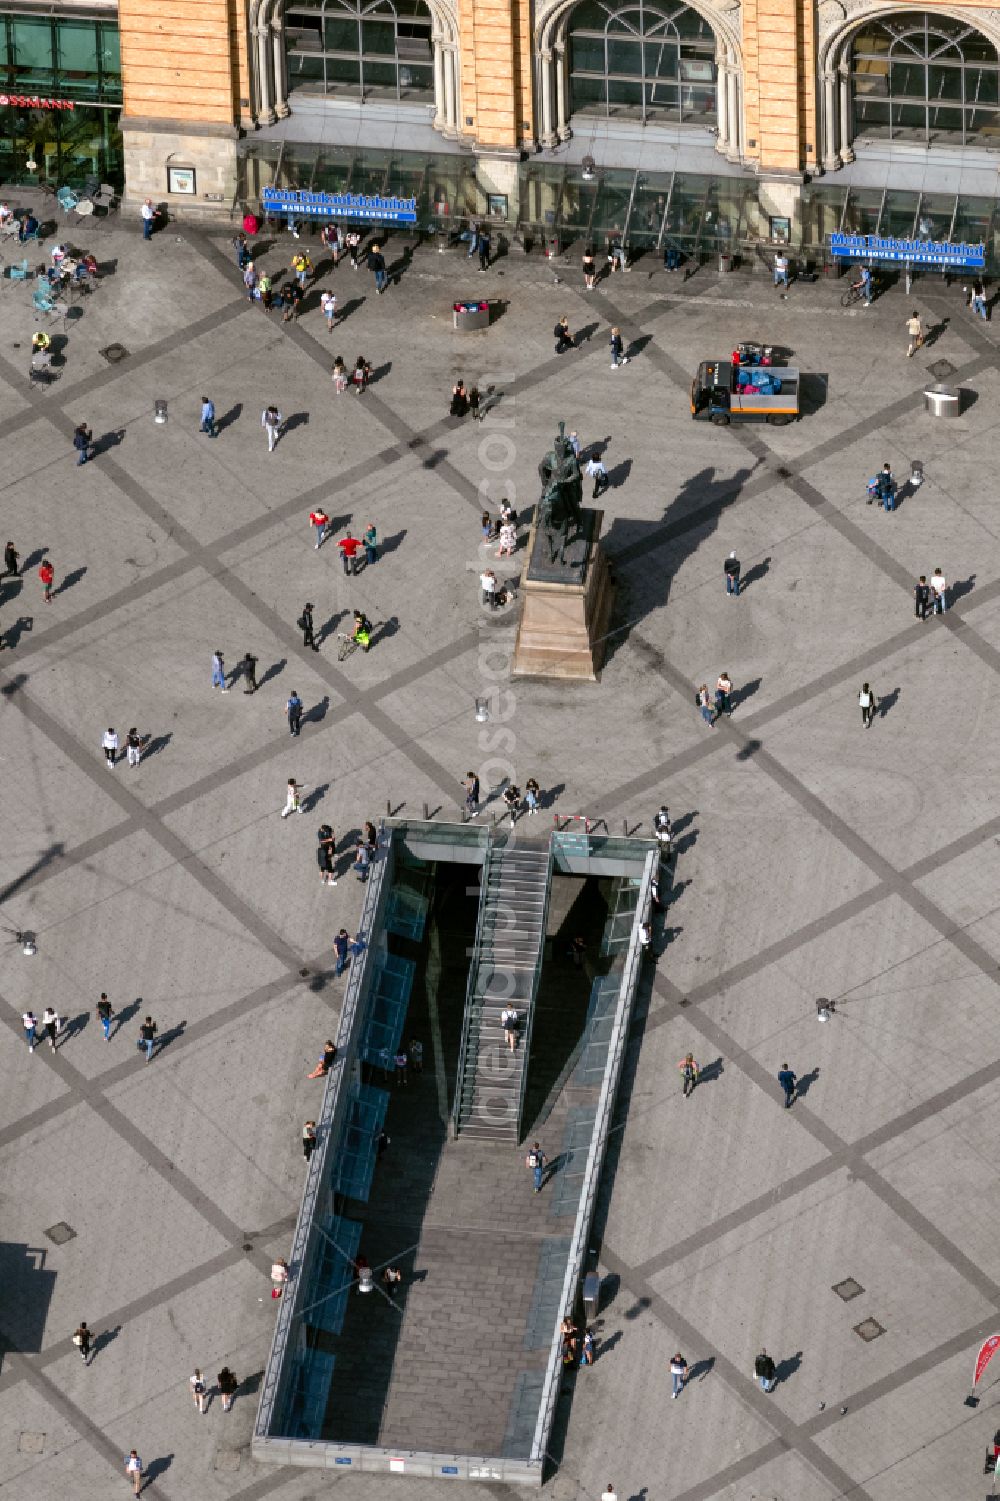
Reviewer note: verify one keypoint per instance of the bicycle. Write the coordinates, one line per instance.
(854, 293)
(349, 644)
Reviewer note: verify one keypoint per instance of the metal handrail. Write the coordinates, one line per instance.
(471, 1011)
(530, 1019)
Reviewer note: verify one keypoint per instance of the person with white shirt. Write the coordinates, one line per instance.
(939, 590)
(271, 421)
(149, 216)
(510, 1021)
(488, 584)
(110, 743)
(51, 1025)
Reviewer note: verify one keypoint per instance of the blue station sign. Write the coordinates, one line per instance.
(339, 205)
(917, 252)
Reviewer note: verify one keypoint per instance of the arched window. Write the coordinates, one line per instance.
(924, 77)
(360, 48)
(645, 58)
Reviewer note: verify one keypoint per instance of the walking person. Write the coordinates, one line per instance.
(349, 547)
(510, 1021)
(47, 577)
(326, 852)
(109, 742)
(328, 307)
(596, 471)
(228, 1386)
(197, 1385)
(320, 523)
(266, 291)
(305, 625)
(370, 541)
(11, 558)
(788, 1082)
(271, 421)
(868, 704)
(488, 584)
(293, 802)
(765, 1371)
(689, 1073)
(663, 830)
(589, 268)
(341, 945)
(149, 218)
(293, 711)
(133, 1464)
(133, 746)
(219, 671)
(250, 280)
(704, 703)
(781, 270)
(207, 417)
(308, 1139)
(83, 441)
(353, 242)
(82, 1340)
(483, 247)
(249, 666)
(51, 1026)
(536, 1160)
(564, 339)
(977, 301)
(376, 265)
(147, 1037)
(339, 375)
(471, 794)
(678, 1374)
(609, 1493)
(731, 568)
(105, 1015)
(302, 266)
(921, 598)
(939, 592)
(618, 355)
(532, 792)
(30, 1024)
(723, 695)
(914, 334)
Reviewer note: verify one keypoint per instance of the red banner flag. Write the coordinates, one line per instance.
(987, 1350)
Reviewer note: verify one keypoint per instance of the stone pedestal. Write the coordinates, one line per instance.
(565, 607)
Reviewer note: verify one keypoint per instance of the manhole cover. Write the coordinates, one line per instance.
(114, 354)
(848, 1289)
(869, 1329)
(227, 1459)
(61, 1233)
(29, 1442)
(941, 369)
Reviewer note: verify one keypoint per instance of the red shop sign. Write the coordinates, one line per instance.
(29, 101)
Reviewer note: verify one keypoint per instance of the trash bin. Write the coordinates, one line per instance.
(725, 262)
(591, 1296)
(470, 315)
(943, 401)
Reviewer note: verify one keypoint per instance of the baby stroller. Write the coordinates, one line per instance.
(752, 354)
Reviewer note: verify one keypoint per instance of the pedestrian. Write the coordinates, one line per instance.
(349, 547)
(292, 799)
(486, 522)
(11, 557)
(914, 333)
(308, 1139)
(219, 671)
(886, 488)
(512, 798)
(325, 853)
(51, 1025)
(536, 1160)
(305, 625)
(589, 268)
(197, 1385)
(663, 829)
(105, 1015)
(271, 421)
(400, 1061)
(47, 576)
(133, 1464)
(868, 703)
(30, 1024)
(781, 270)
(788, 1082)
(339, 375)
(587, 1348)
(279, 1276)
(370, 540)
(376, 265)
(939, 590)
(731, 567)
(646, 940)
(147, 1037)
(532, 792)
(249, 666)
(618, 355)
(362, 860)
(488, 584)
(291, 300)
(689, 1073)
(149, 218)
(239, 244)
(508, 541)
(459, 403)
(474, 400)
(326, 1062)
(82, 1339)
(328, 307)
(293, 711)
(564, 339)
(265, 288)
(83, 440)
(765, 1371)
(483, 246)
(510, 1021)
(416, 1055)
(250, 280)
(596, 471)
(133, 746)
(921, 597)
(977, 301)
(207, 417)
(704, 703)
(382, 1142)
(392, 1279)
(617, 257)
(609, 1493)
(678, 1374)
(471, 794)
(228, 1386)
(320, 523)
(723, 694)
(361, 375)
(302, 266)
(109, 741)
(353, 242)
(341, 944)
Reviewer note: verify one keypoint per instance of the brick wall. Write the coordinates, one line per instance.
(181, 59)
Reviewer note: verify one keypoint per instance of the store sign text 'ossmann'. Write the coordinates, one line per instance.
(30, 101)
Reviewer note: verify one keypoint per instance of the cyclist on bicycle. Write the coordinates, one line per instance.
(362, 630)
(863, 286)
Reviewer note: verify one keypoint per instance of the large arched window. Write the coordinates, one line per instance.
(924, 77)
(644, 58)
(360, 48)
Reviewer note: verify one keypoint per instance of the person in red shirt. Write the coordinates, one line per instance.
(321, 521)
(349, 549)
(47, 575)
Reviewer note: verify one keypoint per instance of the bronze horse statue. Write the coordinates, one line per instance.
(562, 494)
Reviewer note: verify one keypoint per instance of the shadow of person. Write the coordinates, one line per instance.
(805, 1083)
(171, 1035)
(75, 1026)
(297, 419)
(71, 578)
(229, 418)
(104, 1339)
(155, 743)
(126, 1014)
(313, 796)
(754, 574)
(961, 587)
(746, 690)
(935, 331)
(156, 1468)
(317, 713)
(787, 1368)
(275, 669)
(888, 703)
(710, 1072)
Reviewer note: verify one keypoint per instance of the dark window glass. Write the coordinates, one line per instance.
(654, 59)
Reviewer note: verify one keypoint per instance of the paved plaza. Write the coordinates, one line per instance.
(815, 857)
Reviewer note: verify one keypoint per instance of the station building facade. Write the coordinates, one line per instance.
(719, 123)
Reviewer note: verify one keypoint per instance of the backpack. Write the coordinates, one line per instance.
(533, 1159)
(78, 1340)
(301, 622)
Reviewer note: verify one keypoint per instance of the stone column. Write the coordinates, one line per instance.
(722, 103)
(280, 67)
(561, 62)
(450, 101)
(831, 160)
(733, 110)
(846, 118)
(440, 116)
(263, 52)
(547, 133)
